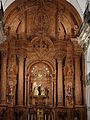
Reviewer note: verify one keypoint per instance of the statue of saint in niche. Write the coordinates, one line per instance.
(38, 90)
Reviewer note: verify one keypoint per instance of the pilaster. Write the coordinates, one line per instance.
(60, 83)
(20, 81)
(21, 77)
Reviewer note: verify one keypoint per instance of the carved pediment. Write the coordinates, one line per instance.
(42, 45)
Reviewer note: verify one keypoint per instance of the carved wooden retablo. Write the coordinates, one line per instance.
(41, 68)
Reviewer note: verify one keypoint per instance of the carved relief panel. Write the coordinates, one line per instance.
(69, 81)
(41, 19)
(11, 82)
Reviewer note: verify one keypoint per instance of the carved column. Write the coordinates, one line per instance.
(60, 83)
(26, 91)
(53, 90)
(11, 75)
(3, 77)
(59, 18)
(78, 94)
(54, 84)
(20, 81)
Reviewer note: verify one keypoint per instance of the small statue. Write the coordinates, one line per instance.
(42, 91)
(36, 92)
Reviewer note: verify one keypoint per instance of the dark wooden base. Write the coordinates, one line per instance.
(42, 113)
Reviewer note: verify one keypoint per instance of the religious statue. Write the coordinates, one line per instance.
(38, 90)
(42, 91)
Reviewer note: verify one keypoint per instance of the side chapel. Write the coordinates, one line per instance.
(42, 69)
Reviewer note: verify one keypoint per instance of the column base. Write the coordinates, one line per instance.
(60, 104)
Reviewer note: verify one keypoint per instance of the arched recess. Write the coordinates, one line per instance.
(16, 13)
(30, 64)
(39, 83)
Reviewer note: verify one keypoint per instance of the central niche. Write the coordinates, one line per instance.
(40, 80)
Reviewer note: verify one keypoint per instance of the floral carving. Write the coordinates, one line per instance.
(69, 75)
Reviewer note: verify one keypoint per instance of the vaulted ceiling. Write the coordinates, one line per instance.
(78, 4)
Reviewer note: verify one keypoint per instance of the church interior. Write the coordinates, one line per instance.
(43, 61)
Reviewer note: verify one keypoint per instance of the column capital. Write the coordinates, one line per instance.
(59, 60)
(60, 56)
(77, 55)
(21, 56)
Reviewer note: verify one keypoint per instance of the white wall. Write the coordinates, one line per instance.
(79, 5)
(6, 3)
(88, 60)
